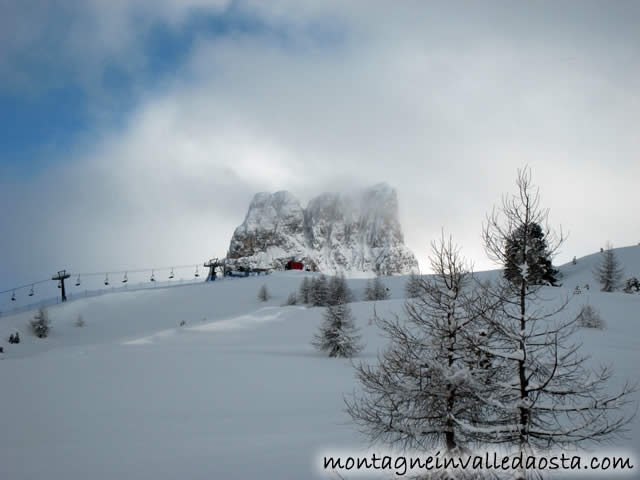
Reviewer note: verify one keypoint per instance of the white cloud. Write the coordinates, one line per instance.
(444, 105)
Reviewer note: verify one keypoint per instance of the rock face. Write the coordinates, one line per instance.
(335, 233)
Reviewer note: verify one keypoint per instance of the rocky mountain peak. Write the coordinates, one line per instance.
(334, 233)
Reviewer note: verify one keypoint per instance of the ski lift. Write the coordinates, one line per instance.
(197, 274)
(125, 279)
(13, 296)
(78, 281)
(60, 284)
(153, 277)
(171, 274)
(106, 279)
(31, 291)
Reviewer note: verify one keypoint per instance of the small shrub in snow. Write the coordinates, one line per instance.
(577, 291)
(632, 285)
(40, 324)
(14, 338)
(263, 294)
(589, 317)
(376, 290)
(182, 323)
(80, 321)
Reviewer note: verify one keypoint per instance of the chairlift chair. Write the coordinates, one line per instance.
(125, 279)
(60, 284)
(13, 296)
(106, 279)
(196, 274)
(171, 274)
(31, 291)
(78, 281)
(153, 277)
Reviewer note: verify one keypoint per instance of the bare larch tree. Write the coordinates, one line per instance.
(548, 397)
(421, 393)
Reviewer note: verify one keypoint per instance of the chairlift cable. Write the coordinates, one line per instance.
(31, 285)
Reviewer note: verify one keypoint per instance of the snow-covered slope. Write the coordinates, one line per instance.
(582, 273)
(335, 233)
(237, 392)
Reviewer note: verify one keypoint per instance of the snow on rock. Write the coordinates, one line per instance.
(335, 233)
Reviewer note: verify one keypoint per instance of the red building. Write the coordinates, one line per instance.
(291, 265)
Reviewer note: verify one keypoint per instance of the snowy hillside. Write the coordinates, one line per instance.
(582, 272)
(237, 392)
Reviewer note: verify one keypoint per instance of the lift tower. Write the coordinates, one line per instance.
(212, 265)
(61, 276)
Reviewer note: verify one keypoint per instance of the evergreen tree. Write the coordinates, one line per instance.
(319, 291)
(536, 263)
(305, 291)
(413, 286)
(339, 291)
(292, 299)
(338, 335)
(609, 272)
(40, 324)
(376, 290)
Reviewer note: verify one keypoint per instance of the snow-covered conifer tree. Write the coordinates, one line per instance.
(376, 290)
(339, 291)
(319, 291)
(609, 272)
(292, 299)
(40, 324)
(338, 335)
(539, 269)
(412, 288)
(305, 290)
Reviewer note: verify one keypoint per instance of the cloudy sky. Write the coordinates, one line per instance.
(134, 134)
